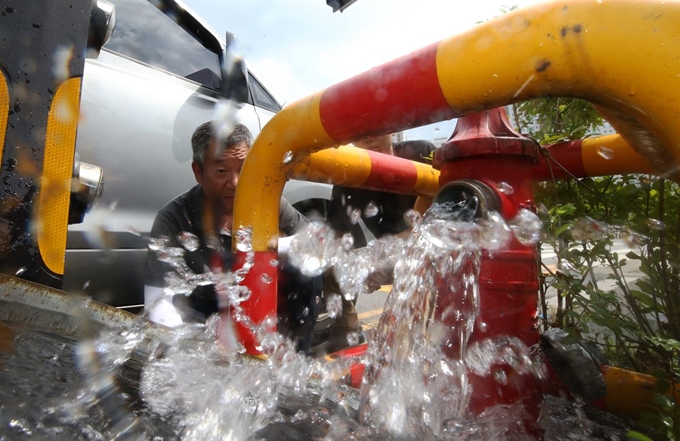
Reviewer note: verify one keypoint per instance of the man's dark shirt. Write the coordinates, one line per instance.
(185, 214)
(382, 213)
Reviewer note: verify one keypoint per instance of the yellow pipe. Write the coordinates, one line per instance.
(346, 165)
(631, 393)
(296, 130)
(611, 155)
(620, 55)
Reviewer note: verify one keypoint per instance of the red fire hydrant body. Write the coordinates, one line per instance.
(484, 148)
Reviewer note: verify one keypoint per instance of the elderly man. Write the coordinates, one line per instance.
(200, 221)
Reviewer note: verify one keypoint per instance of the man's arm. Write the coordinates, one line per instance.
(290, 219)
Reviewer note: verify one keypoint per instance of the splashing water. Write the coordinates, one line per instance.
(586, 229)
(605, 152)
(371, 210)
(505, 188)
(414, 387)
(526, 227)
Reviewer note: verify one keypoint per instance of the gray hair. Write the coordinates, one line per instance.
(206, 132)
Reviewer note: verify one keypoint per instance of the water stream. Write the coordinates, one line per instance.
(187, 386)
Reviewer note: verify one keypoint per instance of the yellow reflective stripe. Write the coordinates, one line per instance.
(4, 112)
(611, 155)
(62, 123)
(345, 165)
(296, 130)
(620, 55)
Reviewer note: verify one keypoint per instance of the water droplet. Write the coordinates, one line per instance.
(274, 263)
(266, 278)
(347, 241)
(412, 218)
(240, 348)
(61, 60)
(526, 227)
(299, 415)
(86, 285)
(133, 230)
(238, 294)
(586, 229)
(156, 244)
(312, 266)
(354, 214)
(505, 188)
(371, 210)
(170, 254)
(305, 311)
(656, 224)
(244, 239)
(268, 324)
(189, 241)
(500, 376)
(495, 232)
(334, 306)
(605, 152)
(353, 338)
(20, 271)
(568, 269)
(287, 157)
(635, 239)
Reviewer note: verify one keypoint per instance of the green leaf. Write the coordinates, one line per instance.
(643, 298)
(637, 435)
(632, 255)
(562, 229)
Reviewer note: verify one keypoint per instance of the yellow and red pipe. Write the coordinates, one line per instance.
(619, 55)
(597, 156)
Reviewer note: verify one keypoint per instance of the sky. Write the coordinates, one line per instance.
(299, 47)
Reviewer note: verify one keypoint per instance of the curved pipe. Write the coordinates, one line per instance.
(597, 156)
(621, 56)
(355, 167)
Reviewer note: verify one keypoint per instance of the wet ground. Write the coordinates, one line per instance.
(44, 396)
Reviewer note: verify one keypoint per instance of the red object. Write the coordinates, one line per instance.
(356, 371)
(261, 280)
(484, 148)
(386, 97)
(382, 176)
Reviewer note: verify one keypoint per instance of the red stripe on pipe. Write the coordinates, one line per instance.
(564, 161)
(400, 94)
(390, 173)
(262, 303)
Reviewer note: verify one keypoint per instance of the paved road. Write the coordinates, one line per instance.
(370, 306)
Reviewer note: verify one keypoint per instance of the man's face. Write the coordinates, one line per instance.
(380, 144)
(219, 175)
